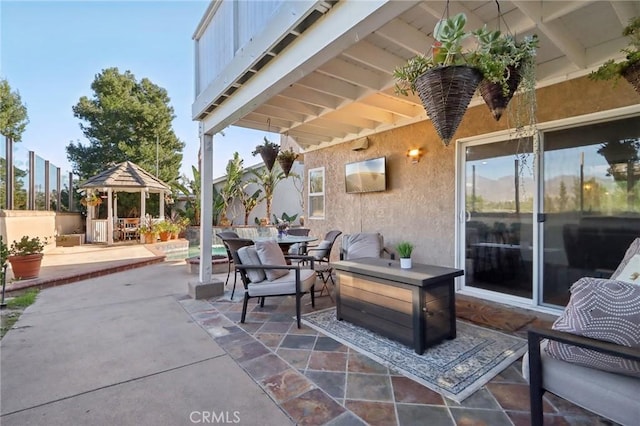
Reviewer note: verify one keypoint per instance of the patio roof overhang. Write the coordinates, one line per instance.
(332, 82)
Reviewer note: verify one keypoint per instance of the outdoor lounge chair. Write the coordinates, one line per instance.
(356, 246)
(603, 315)
(223, 236)
(264, 272)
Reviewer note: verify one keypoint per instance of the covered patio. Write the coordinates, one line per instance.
(124, 177)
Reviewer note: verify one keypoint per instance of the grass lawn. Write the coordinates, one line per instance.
(11, 313)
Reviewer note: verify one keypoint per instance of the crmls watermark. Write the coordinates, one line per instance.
(213, 417)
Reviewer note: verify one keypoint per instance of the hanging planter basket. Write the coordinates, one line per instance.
(632, 75)
(494, 95)
(445, 93)
(268, 156)
(286, 164)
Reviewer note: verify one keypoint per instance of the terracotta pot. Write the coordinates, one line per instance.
(149, 238)
(165, 235)
(26, 267)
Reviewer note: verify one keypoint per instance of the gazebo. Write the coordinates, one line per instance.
(124, 177)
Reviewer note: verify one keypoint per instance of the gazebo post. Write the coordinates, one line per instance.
(89, 235)
(143, 207)
(109, 218)
(161, 209)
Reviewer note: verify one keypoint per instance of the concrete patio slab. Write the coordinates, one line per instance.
(184, 396)
(121, 349)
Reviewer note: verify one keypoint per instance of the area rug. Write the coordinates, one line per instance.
(454, 368)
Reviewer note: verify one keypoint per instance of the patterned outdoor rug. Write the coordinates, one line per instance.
(455, 368)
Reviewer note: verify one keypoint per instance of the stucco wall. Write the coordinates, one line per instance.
(14, 224)
(419, 204)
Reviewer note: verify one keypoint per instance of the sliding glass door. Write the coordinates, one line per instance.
(584, 209)
(498, 203)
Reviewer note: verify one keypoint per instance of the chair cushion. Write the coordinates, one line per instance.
(249, 256)
(602, 309)
(321, 250)
(610, 395)
(629, 256)
(361, 245)
(270, 253)
(283, 285)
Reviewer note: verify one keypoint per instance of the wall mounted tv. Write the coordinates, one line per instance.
(366, 176)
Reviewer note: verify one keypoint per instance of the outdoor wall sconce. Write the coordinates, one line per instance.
(415, 154)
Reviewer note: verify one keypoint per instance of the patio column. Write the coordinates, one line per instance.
(109, 217)
(206, 209)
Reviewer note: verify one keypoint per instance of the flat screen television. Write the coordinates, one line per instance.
(366, 176)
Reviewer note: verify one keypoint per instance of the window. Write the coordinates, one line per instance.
(316, 193)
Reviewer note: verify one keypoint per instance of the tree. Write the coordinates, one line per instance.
(13, 113)
(249, 202)
(267, 180)
(232, 186)
(126, 120)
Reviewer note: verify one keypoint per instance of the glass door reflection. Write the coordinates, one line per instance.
(499, 194)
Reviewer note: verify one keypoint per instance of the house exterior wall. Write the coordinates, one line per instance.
(419, 204)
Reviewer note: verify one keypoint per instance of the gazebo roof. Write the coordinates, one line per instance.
(125, 175)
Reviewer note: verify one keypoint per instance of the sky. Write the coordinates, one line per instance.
(51, 51)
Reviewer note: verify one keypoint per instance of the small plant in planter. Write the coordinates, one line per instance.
(25, 257)
(630, 67)
(285, 159)
(148, 231)
(91, 200)
(268, 151)
(445, 81)
(404, 249)
(504, 63)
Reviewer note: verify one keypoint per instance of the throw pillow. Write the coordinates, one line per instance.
(605, 310)
(249, 256)
(633, 250)
(270, 253)
(631, 272)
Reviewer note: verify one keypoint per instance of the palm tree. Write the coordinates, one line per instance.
(249, 202)
(233, 185)
(267, 180)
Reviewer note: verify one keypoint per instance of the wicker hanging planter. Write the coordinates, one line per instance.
(445, 93)
(269, 152)
(632, 75)
(286, 159)
(286, 164)
(494, 95)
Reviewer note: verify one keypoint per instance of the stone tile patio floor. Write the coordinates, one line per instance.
(318, 381)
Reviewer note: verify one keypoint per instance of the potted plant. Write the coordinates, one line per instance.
(164, 230)
(445, 81)
(505, 63)
(285, 159)
(148, 231)
(268, 151)
(630, 67)
(91, 200)
(25, 257)
(404, 249)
